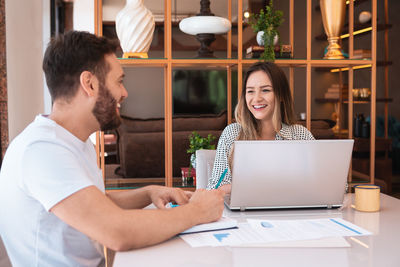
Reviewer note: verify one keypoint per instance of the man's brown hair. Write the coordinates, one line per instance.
(68, 55)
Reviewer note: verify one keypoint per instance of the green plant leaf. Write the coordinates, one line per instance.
(196, 142)
(267, 21)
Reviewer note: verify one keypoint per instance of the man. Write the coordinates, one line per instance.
(53, 206)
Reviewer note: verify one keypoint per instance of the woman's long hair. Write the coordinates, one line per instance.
(284, 108)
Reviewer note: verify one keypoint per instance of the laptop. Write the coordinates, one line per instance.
(289, 174)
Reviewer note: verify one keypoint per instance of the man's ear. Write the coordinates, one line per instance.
(89, 83)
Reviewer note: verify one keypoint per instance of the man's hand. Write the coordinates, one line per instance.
(161, 195)
(210, 204)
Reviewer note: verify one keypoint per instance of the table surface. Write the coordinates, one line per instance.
(380, 249)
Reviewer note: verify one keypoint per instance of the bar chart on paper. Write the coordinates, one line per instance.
(220, 237)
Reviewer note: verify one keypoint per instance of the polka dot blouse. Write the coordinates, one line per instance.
(231, 133)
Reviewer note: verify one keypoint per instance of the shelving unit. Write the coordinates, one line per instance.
(239, 63)
(382, 163)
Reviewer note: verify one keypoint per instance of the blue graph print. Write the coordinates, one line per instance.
(219, 237)
(266, 225)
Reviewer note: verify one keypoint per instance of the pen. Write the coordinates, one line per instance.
(172, 205)
(221, 178)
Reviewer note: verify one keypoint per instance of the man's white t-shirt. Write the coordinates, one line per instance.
(42, 166)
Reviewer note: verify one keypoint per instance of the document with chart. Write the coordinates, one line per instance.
(329, 231)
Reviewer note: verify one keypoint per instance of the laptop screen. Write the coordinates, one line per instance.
(290, 173)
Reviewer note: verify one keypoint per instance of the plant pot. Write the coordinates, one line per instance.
(188, 178)
(260, 40)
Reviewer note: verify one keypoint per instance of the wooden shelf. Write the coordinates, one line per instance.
(130, 183)
(324, 64)
(110, 23)
(360, 62)
(355, 101)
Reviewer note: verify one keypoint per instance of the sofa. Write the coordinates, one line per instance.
(141, 150)
(321, 129)
(141, 143)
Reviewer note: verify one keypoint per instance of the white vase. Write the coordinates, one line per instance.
(260, 40)
(135, 27)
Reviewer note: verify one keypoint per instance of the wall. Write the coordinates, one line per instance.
(145, 88)
(46, 39)
(24, 59)
(84, 16)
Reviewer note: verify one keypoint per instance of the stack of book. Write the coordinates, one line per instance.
(283, 51)
(333, 92)
(361, 53)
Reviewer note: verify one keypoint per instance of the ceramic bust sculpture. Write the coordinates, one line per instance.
(135, 27)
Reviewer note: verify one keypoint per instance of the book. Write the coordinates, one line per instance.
(361, 53)
(277, 55)
(331, 95)
(361, 56)
(221, 224)
(283, 51)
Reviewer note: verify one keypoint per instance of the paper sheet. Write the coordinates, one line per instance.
(223, 223)
(291, 230)
(329, 242)
(295, 233)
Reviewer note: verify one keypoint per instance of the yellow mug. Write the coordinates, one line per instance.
(367, 198)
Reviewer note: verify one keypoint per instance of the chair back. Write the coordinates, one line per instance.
(204, 166)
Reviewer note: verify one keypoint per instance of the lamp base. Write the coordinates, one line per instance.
(135, 55)
(205, 40)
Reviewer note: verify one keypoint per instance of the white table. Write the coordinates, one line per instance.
(380, 249)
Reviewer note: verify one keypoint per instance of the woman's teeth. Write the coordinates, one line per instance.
(259, 106)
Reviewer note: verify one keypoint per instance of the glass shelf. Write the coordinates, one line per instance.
(132, 183)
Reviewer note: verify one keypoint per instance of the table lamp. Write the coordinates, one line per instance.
(205, 25)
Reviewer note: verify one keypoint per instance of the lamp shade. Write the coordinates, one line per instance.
(205, 24)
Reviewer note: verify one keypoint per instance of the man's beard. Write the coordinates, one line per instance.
(105, 110)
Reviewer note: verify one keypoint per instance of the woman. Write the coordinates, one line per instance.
(265, 112)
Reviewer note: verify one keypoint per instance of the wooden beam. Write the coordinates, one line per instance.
(308, 78)
(373, 92)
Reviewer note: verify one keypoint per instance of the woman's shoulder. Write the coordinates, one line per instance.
(233, 127)
(297, 131)
(297, 127)
(231, 131)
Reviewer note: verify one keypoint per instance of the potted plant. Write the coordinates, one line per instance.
(266, 24)
(196, 142)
